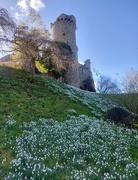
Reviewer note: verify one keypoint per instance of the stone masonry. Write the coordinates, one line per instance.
(64, 30)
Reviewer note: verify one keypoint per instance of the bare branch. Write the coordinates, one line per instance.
(6, 22)
(107, 85)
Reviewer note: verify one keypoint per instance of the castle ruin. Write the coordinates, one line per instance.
(80, 76)
(77, 75)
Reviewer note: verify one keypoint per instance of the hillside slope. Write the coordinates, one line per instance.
(54, 131)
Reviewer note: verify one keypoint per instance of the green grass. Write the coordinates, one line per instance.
(28, 102)
(22, 107)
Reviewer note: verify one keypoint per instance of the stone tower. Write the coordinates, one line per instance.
(78, 75)
(64, 30)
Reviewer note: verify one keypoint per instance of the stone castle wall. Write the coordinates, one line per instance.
(78, 75)
(86, 77)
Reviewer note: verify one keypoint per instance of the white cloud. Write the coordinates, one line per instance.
(37, 4)
(18, 15)
(24, 5)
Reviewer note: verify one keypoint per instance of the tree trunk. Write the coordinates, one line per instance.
(33, 71)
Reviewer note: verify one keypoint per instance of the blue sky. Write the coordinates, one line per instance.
(107, 30)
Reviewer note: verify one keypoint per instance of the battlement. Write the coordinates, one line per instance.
(66, 21)
(66, 18)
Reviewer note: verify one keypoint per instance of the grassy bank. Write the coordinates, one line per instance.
(54, 131)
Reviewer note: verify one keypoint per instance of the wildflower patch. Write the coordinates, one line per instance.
(79, 148)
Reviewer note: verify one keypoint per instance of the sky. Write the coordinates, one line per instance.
(107, 30)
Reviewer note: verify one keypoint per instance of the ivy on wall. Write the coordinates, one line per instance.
(64, 45)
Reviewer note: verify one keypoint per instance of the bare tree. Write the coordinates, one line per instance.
(30, 38)
(7, 26)
(106, 85)
(27, 45)
(6, 22)
(130, 82)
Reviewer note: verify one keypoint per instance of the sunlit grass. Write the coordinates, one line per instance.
(77, 144)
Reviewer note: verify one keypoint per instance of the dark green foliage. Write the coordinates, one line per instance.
(46, 59)
(64, 45)
(121, 116)
(51, 65)
(52, 59)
